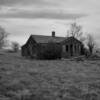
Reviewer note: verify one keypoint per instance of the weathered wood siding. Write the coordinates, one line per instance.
(30, 48)
(71, 47)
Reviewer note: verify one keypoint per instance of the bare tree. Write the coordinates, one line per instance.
(15, 46)
(91, 43)
(3, 37)
(75, 31)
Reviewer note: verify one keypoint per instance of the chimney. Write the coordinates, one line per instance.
(53, 33)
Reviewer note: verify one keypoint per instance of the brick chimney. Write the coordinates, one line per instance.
(53, 33)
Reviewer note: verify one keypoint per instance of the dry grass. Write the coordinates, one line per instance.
(23, 79)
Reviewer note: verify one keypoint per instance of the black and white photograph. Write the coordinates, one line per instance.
(49, 50)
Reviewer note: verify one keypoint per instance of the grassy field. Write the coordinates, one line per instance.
(24, 79)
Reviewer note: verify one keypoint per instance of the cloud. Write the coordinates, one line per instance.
(39, 13)
(32, 9)
(61, 12)
(27, 2)
(78, 5)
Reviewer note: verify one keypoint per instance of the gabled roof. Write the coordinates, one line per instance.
(45, 39)
(71, 40)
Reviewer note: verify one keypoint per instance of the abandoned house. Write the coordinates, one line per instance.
(70, 46)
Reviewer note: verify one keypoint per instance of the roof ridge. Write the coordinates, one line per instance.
(48, 36)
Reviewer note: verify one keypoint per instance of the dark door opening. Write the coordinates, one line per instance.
(71, 50)
(66, 48)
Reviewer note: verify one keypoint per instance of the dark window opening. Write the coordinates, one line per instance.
(66, 48)
(75, 48)
(71, 49)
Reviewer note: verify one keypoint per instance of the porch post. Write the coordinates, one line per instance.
(64, 48)
(78, 49)
(73, 50)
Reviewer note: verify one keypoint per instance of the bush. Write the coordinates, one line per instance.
(50, 51)
(15, 46)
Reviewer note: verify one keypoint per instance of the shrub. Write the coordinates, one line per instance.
(50, 51)
(15, 46)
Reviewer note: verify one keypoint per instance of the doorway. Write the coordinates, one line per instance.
(71, 50)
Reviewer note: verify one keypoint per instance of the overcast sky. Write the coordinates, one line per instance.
(24, 17)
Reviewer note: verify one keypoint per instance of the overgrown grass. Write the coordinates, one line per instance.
(23, 79)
